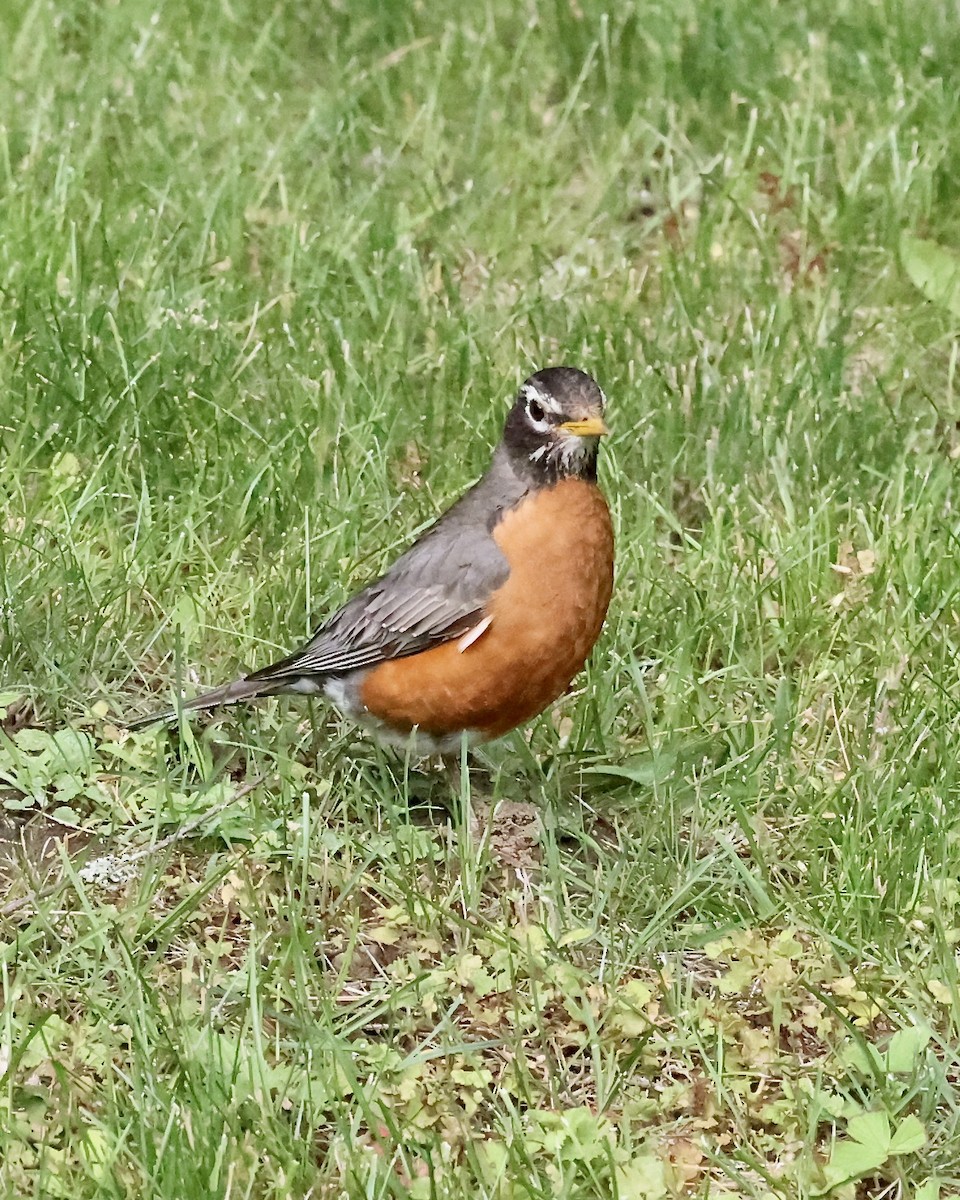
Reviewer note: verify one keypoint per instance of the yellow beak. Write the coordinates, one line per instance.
(587, 427)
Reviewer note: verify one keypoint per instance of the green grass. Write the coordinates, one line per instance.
(269, 275)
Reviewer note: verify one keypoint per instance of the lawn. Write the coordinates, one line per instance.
(269, 277)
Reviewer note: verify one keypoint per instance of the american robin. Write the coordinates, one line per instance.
(488, 616)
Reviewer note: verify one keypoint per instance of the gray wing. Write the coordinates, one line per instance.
(435, 592)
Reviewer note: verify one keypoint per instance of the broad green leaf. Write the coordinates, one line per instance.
(72, 751)
(644, 770)
(18, 802)
(858, 1056)
(908, 1136)
(574, 937)
(65, 465)
(645, 1178)
(635, 993)
(33, 741)
(95, 1153)
(471, 971)
(629, 1015)
(934, 269)
(906, 1049)
(853, 1160)
(871, 1129)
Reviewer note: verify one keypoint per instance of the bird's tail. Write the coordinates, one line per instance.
(229, 693)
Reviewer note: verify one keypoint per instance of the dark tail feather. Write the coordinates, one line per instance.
(230, 693)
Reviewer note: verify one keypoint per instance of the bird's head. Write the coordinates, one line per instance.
(555, 425)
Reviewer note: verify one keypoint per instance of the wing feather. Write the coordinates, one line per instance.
(434, 593)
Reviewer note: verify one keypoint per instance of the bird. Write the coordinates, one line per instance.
(489, 615)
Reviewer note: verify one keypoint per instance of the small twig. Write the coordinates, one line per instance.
(44, 893)
(186, 830)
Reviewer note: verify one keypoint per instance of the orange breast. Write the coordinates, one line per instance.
(544, 622)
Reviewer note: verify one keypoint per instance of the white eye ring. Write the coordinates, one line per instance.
(538, 408)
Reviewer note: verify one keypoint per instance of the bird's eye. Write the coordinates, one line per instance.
(536, 410)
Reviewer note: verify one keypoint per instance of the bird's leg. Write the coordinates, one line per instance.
(456, 767)
(452, 773)
(503, 835)
(469, 823)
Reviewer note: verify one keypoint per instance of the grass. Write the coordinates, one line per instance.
(269, 276)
